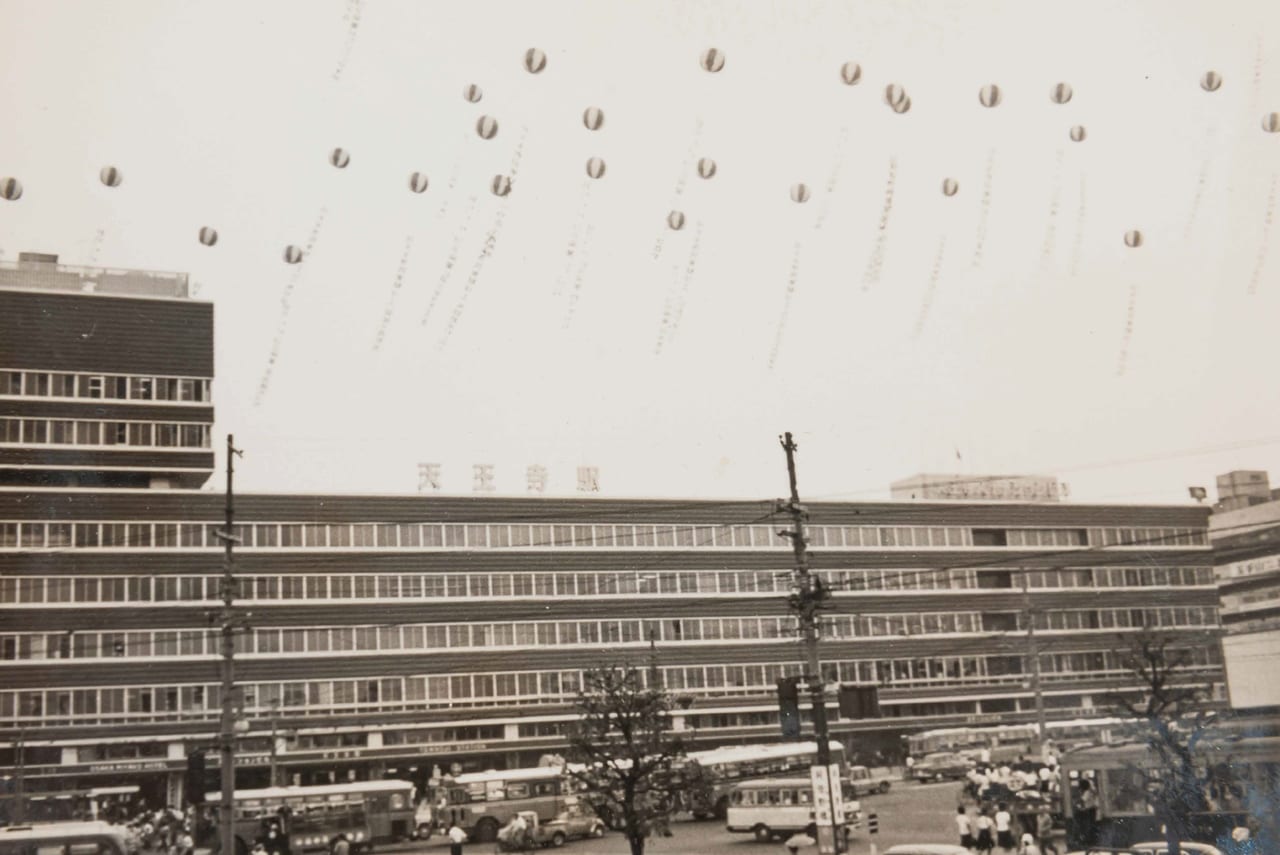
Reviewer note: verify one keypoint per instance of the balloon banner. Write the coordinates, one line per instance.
(833, 179)
(576, 235)
(927, 301)
(578, 278)
(1078, 245)
(664, 324)
(1128, 330)
(286, 305)
(793, 275)
(876, 262)
(395, 292)
(477, 266)
(450, 261)
(690, 267)
(350, 20)
(1049, 244)
(1201, 180)
(984, 211)
(1261, 261)
(99, 235)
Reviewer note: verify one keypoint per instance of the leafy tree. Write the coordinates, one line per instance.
(624, 753)
(1173, 719)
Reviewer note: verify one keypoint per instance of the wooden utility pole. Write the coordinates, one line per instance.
(808, 594)
(1033, 650)
(227, 730)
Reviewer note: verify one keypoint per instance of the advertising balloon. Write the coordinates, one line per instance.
(292, 254)
(11, 189)
(950, 187)
(989, 95)
(339, 158)
(706, 168)
(1271, 123)
(1211, 81)
(902, 106)
(595, 167)
(418, 182)
(534, 60)
(110, 176)
(850, 73)
(501, 185)
(593, 118)
(675, 221)
(487, 127)
(799, 193)
(1078, 133)
(894, 94)
(1061, 93)
(712, 60)
(1133, 239)
(473, 93)
(208, 236)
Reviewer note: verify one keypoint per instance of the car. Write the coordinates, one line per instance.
(941, 766)
(1151, 847)
(572, 824)
(864, 782)
(927, 849)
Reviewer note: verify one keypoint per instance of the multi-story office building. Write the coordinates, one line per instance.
(1246, 543)
(393, 634)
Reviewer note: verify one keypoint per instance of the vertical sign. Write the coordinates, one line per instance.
(828, 809)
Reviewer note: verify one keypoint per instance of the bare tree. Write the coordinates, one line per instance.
(624, 753)
(1172, 718)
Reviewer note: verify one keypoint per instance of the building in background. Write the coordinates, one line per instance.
(394, 635)
(1009, 488)
(1245, 530)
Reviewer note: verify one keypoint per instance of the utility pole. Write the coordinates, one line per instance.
(828, 804)
(1033, 648)
(275, 777)
(227, 734)
(19, 780)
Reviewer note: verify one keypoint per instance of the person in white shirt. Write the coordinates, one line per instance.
(983, 843)
(965, 827)
(457, 837)
(1028, 846)
(1004, 831)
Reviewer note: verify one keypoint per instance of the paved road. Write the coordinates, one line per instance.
(908, 813)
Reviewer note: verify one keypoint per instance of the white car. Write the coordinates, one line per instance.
(1149, 847)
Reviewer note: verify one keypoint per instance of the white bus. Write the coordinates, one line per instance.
(63, 838)
(722, 768)
(776, 808)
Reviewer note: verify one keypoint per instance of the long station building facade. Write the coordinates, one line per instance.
(398, 635)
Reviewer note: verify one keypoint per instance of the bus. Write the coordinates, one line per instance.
(63, 838)
(367, 812)
(719, 769)
(775, 808)
(1006, 742)
(1241, 776)
(87, 805)
(480, 803)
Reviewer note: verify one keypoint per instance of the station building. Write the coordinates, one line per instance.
(400, 635)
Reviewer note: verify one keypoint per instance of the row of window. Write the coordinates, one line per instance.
(298, 535)
(102, 433)
(117, 387)
(387, 694)
(529, 634)
(97, 590)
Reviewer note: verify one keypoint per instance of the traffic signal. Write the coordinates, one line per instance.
(194, 784)
(859, 702)
(789, 706)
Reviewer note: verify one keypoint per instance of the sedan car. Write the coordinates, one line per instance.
(1151, 847)
(927, 849)
(568, 825)
(941, 765)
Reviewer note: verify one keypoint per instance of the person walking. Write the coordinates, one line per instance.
(1004, 828)
(984, 842)
(457, 837)
(341, 846)
(965, 827)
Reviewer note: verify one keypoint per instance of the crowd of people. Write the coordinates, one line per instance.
(1013, 805)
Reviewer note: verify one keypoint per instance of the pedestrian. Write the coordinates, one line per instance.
(457, 837)
(984, 841)
(965, 827)
(1004, 828)
(341, 846)
(1028, 846)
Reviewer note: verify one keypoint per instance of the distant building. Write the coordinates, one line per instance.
(394, 634)
(1244, 488)
(1011, 488)
(1246, 543)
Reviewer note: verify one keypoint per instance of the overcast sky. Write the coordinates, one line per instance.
(1005, 329)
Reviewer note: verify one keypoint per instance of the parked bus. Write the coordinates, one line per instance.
(480, 803)
(366, 812)
(1006, 742)
(776, 808)
(63, 838)
(86, 805)
(719, 769)
(1241, 775)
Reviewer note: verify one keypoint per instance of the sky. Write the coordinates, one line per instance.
(894, 329)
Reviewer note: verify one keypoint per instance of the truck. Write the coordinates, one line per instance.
(864, 782)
